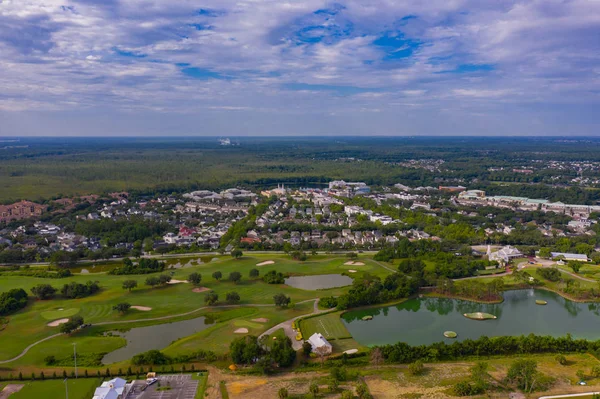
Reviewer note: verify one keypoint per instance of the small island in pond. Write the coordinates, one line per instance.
(480, 316)
(450, 334)
(369, 317)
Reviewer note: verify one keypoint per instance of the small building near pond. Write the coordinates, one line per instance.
(318, 341)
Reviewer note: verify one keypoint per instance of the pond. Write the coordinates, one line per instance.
(159, 336)
(422, 321)
(319, 282)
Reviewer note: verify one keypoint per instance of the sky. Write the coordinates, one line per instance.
(310, 67)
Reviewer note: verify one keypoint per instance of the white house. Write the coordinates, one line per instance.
(504, 254)
(170, 238)
(318, 341)
(116, 388)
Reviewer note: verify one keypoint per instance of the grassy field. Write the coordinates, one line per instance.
(329, 325)
(30, 325)
(55, 389)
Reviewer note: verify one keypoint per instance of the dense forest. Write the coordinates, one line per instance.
(45, 168)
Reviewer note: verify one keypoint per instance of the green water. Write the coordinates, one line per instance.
(423, 320)
(142, 339)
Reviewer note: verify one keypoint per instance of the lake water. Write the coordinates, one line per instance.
(319, 282)
(423, 320)
(159, 336)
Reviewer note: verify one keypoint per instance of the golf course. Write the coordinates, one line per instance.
(32, 335)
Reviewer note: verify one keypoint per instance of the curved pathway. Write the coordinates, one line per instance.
(287, 325)
(105, 323)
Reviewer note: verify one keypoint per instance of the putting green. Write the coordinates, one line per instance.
(59, 314)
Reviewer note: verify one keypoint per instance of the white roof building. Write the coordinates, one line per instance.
(504, 254)
(567, 256)
(114, 389)
(318, 341)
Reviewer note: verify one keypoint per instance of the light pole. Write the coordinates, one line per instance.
(75, 357)
(66, 387)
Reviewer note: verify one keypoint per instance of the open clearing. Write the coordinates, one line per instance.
(57, 323)
(329, 325)
(59, 313)
(142, 308)
(267, 262)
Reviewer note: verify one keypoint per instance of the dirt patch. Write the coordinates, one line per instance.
(10, 389)
(351, 271)
(267, 262)
(142, 308)
(174, 281)
(57, 323)
(352, 263)
(201, 289)
(241, 331)
(260, 320)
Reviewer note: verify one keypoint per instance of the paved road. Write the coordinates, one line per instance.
(287, 325)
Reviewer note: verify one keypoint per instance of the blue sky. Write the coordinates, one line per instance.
(311, 67)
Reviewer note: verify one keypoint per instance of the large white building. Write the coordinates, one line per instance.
(318, 341)
(569, 256)
(504, 254)
(116, 388)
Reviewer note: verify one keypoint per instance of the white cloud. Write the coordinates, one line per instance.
(129, 54)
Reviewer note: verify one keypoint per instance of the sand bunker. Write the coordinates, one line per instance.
(201, 289)
(57, 323)
(351, 351)
(351, 271)
(241, 331)
(142, 308)
(173, 281)
(260, 320)
(352, 263)
(267, 262)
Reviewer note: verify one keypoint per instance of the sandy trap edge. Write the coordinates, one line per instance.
(57, 323)
(142, 308)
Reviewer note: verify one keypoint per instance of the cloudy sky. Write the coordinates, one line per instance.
(310, 67)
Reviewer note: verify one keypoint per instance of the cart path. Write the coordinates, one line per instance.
(287, 325)
(106, 323)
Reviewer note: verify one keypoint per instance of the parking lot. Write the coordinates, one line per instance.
(182, 387)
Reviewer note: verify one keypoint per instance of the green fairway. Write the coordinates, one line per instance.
(59, 314)
(329, 325)
(82, 388)
(30, 324)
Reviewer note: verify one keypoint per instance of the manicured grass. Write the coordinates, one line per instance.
(30, 324)
(218, 337)
(82, 388)
(59, 314)
(329, 325)
(223, 389)
(203, 378)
